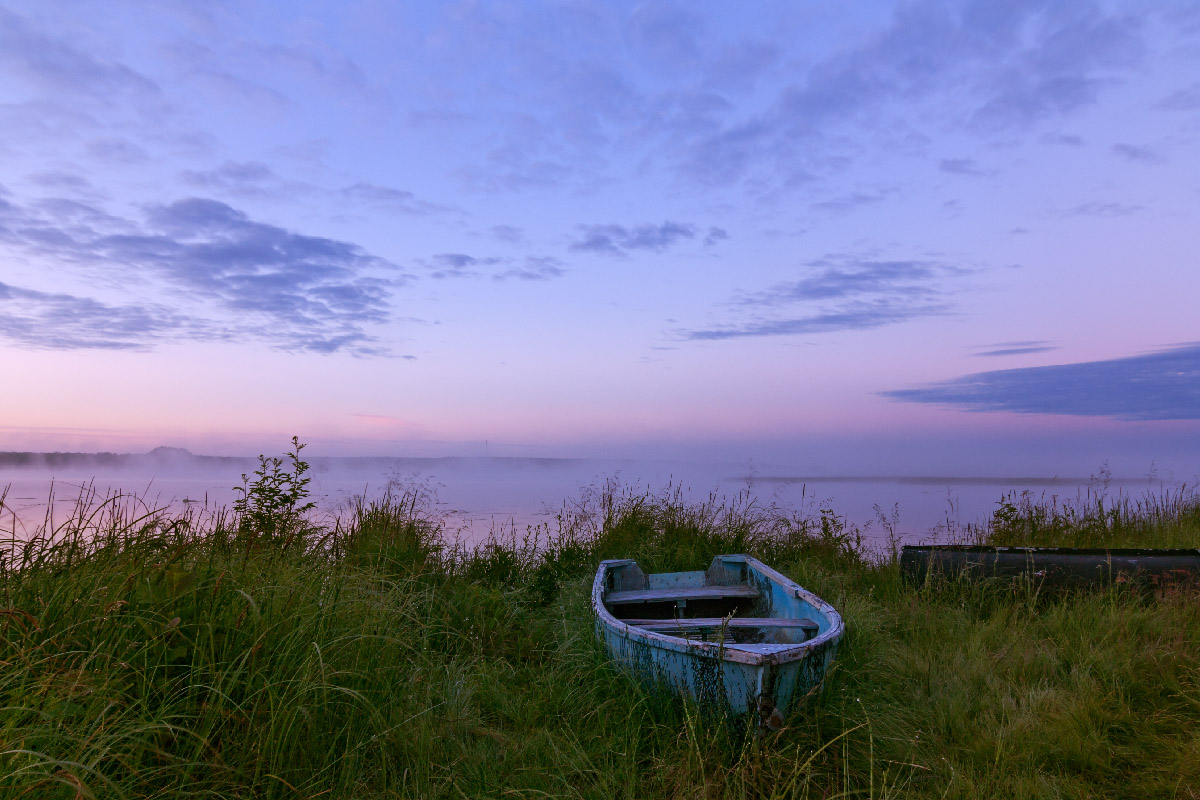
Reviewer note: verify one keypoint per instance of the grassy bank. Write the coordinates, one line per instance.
(170, 657)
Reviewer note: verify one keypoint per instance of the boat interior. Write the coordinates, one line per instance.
(715, 605)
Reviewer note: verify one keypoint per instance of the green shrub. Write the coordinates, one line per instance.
(272, 505)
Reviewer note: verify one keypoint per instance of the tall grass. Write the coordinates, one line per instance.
(149, 655)
(1169, 517)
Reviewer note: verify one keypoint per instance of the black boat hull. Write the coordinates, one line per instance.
(1050, 566)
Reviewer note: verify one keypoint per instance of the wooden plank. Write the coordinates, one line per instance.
(716, 622)
(677, 594)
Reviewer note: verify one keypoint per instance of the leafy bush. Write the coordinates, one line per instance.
(272, 505)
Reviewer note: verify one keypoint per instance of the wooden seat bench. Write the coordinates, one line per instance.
(678, 594)
(700, 623)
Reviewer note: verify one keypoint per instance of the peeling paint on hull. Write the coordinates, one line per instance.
(753, 671)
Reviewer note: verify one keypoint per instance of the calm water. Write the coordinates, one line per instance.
(480, 496)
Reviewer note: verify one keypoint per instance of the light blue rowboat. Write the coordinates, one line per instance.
(739, 637)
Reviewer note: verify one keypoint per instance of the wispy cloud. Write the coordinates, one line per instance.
(618, 240)
(667, 36)
(962, 166)
(853, 316)
(715, 235)
(1098, 208)
(1141, 155)
(1056, 62)
(59, 321)
(841, 293)
(1163, 385)
(857, 278)
(61, 180)
(1063, 139)
(528, 159)
(533, 268)
(1014, 65)
(1017, 351)
(499, 268)
(1014, 348)
(1187, 99)
(392, 199)
(57, 65)
(223, 80)
(257, 280)
(507, 233)
(244, 179)
(460, 265)
(852, 201)
(308, 64)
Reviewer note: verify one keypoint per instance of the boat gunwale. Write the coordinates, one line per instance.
(720, 650)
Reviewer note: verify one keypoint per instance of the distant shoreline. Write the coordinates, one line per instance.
(168, 458)
(936, 480)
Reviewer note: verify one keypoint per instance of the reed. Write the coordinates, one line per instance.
(150, 655)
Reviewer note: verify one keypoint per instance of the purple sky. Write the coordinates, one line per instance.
(917, 236)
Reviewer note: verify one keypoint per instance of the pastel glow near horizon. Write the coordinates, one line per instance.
(955, 236)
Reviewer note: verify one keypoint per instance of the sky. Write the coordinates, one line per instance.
(870, 238)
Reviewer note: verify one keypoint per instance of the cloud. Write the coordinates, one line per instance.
(727, 154)
(1023, 347)
(461, 265)
(718, 106)
(1097, 208)
(1011, 66)
(962, 166)
(63, 69)
(255, 280)
(666, 36)
(209, 71)
(1187, 99)
(245, 178)
(855, 316)
(617, 240)
(895, 278)
(507, 233)
(1074, 52)
(535, 268)
(715, 235)
(57, 179)
(53, 225)
(1163, 385)
(83, 217)
(841, 293)
(117, 150)
(207, 245)
(851, 201)
(459, 260)
(334, 69)
(55, 321)
(1141, 155)
(1016, 351)
(392, 199)
(740, 65)
(519, 164)
(1063, 139)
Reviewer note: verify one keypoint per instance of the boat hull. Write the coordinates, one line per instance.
(1050, 566)
(765, 680)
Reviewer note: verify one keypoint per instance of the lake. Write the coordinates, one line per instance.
(480, 496)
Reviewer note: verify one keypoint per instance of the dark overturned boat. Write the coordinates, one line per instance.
(1051, 566)
(738, 637)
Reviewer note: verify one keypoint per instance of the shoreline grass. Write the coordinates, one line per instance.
(147, 655)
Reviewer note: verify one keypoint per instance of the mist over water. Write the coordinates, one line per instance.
(477, 497)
